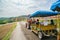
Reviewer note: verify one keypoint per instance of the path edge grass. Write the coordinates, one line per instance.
(9, 33)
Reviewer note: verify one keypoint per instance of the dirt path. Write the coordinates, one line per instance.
(17, 34)
(28, 33)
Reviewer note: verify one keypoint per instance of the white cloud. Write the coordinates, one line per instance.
(19, 7)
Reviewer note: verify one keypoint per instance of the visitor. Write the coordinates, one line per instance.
(52, 22)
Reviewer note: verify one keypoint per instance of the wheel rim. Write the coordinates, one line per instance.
(40, 35)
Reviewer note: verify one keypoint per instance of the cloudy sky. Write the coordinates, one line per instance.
(9, 8)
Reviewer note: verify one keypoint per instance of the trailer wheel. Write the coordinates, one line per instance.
(40, 35)
(55, 31)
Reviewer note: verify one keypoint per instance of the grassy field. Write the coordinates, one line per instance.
(6, 30)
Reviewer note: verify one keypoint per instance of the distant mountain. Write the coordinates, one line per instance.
(3, 18)
(14, 18)
(23, 16)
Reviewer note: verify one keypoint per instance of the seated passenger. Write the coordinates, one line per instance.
(45, 23)
(37, 22)
(52, 22)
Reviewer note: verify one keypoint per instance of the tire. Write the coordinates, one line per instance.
(55, 31)
(40, 35)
